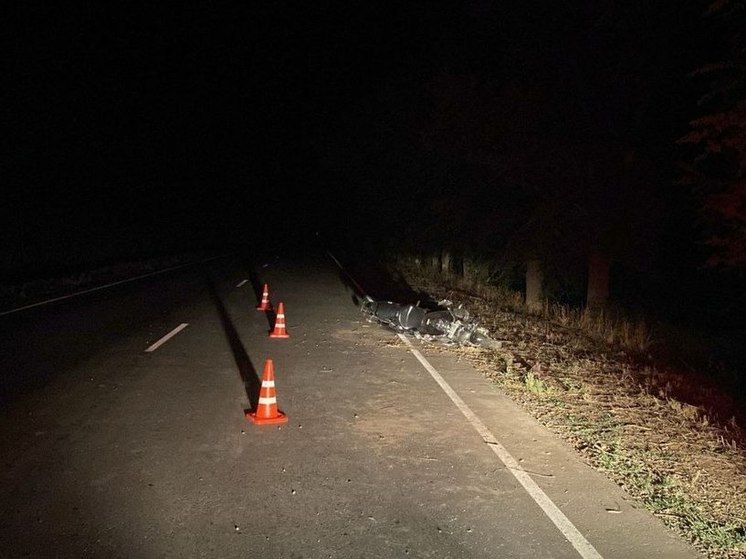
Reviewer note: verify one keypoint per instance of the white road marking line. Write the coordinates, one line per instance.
(168, 336)
(583, 546)
(356, 284)
(242, 283)
(108, 285)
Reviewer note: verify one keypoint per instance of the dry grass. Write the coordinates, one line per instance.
(671, 439)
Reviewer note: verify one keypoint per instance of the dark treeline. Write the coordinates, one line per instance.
(535, 132)
(550, 135)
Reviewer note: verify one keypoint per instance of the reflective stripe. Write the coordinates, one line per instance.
(264, 401)
(268, 384)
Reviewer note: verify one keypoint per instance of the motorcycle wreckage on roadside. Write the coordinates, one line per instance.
(446, 324)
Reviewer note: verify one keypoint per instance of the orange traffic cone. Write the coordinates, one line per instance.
(279, 330)
(265, 305)
(266, 410)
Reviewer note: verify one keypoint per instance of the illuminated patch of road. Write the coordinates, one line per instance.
(581, 545)
(167, 337)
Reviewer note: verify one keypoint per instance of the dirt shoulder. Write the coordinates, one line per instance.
(665, 436)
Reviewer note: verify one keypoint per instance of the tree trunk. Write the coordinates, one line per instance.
(534, 282)
(467, 270)
(445, 262)
(598, 280)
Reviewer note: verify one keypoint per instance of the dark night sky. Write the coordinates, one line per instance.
(146, 118)
(120, 108)
(140, 128)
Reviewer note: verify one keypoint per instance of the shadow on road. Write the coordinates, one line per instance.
(367, 276)
(257, 285)
(249, 376)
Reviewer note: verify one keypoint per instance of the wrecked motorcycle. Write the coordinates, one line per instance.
(446, 324)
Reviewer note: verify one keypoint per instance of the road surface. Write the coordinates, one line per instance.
(123, 434)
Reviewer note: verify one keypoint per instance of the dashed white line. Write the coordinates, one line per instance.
(581, 545)
(242, 283)
(167, 337)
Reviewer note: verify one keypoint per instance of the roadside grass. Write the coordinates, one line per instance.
(535, 384)
(610, 385)
(659, 491)
(609, 326)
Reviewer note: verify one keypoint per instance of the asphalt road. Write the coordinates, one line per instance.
(123, 434)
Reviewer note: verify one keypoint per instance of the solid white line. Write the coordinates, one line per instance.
(168, 336)
(583, 546)
(242, 283)
(108, 285)
(356, 284)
